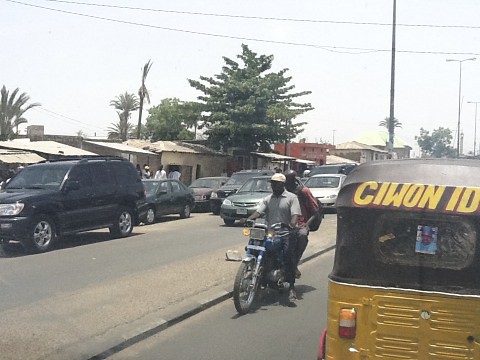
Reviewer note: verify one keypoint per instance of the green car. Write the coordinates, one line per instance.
(245, 201)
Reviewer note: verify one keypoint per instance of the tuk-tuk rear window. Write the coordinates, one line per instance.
(446, 242)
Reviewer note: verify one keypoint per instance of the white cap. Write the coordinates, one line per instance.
(278, 177)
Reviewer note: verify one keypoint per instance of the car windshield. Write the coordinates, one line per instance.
(150, 186)
(39, 177)
(323, 182)
(205, 183)
(256, 185)
(238, 179)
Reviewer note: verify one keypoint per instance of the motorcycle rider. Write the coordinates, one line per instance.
(309, 208)
(282, 206)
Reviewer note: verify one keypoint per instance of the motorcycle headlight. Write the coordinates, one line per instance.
(11, 209)
(214, 195)
(257, 234)
(227, 202)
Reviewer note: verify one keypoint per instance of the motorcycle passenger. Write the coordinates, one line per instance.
(282, 206)
(309, 208)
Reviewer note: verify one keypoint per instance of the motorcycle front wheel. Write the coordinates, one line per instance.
(245, 287)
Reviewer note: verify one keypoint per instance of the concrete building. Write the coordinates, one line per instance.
(306, 151)
(359, 152)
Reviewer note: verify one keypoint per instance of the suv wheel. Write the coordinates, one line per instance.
(42, 235)
(150, 217)
(185, 213)
(123, 224)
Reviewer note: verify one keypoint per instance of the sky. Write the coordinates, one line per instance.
(75, 57)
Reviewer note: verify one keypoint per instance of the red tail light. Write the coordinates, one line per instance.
(347, 323)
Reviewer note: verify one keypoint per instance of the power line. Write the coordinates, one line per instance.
(337, 49)
(262, 17)
(57, 115)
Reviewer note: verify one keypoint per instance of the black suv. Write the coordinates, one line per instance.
(53, 198)
(232, 185)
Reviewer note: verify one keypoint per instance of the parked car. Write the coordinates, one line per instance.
(232, 185)
(325, 188)
(343, 168)
(203, 188)
(246, 200)
(50, 199)
(167, 197)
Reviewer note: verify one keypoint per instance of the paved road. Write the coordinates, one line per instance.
(276, 330)
(93, 294)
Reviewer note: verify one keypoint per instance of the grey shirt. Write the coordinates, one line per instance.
(280, 208)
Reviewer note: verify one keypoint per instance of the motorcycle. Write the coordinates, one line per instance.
(263, 264)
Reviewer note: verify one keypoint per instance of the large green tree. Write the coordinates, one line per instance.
(438, 144)
(125, 104)
(13, 107)
(166, 121)
(248, 106)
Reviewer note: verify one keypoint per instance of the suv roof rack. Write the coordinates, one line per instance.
(84, 158)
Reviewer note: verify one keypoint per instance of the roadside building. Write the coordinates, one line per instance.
(12, 160)
(193, 161)
(379, 139)
(49, 150)
(306, 151)
(134, 154)
(358, 152)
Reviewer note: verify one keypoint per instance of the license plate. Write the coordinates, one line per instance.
(242, 211)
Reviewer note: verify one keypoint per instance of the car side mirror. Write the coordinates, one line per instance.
(162, 192)
(72, 185)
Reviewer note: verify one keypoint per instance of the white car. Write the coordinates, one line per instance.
(325, 188)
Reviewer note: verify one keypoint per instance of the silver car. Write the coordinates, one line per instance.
(325, 188)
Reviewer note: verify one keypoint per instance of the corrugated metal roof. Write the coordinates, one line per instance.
(333, 159)
(274, 156)
(121, 147)
(380, 138)
(172, 146)
(355, 145)
(19, 157)
(307, 162)
(46, 147)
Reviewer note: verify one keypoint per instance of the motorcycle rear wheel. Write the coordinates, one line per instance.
(245, 287)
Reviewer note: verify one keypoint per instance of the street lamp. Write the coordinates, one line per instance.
(475, 127)
(460, 99)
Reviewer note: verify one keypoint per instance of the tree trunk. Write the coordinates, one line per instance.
(139, 127)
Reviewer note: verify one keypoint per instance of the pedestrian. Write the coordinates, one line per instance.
(309, 208)
(160, 174)
(282, 206)
(175, 174)
(146, 172)
(139, 171)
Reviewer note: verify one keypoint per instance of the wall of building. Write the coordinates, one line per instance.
(306, 151)
(193, 165)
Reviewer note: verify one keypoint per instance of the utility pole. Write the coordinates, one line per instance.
(459, 98)
(391, 127)
(475, 127)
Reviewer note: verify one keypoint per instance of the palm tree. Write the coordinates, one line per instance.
(396, 123)
(125, 104)
(12, 110)
(143, 93)
(121, 130)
